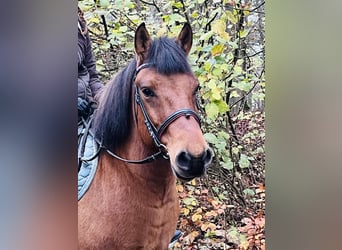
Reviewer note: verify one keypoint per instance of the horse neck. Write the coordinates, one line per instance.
(157, 173)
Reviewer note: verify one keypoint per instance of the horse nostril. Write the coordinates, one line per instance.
(207, 156)
(187, 162)
(183, 160)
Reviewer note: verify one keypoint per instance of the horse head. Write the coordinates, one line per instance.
(166, 91)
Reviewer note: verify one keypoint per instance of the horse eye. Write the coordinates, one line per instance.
(196, 90)
(147, 92)
(197, 98)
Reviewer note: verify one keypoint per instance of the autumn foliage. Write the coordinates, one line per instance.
(225, 209)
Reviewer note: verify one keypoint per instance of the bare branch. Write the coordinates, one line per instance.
(152, 4)
(184, 10)
(244, 96)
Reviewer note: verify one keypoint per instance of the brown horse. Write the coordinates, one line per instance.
(149, 133)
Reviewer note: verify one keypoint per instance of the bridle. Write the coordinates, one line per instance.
(154, 132)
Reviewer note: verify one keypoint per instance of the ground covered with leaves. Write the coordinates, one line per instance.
(226, 209)
(210, 221)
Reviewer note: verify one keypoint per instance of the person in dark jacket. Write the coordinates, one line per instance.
(89, 84)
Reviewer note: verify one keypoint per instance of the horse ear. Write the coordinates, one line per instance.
(185, 38)
(142, 42)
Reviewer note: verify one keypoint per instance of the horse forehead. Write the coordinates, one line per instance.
(173, 81)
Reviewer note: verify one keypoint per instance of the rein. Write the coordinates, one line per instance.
(153, 131)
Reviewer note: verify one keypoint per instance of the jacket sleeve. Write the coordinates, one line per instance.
(94, 82)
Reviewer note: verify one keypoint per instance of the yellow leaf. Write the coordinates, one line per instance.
(180, 188)
(207, 225)
(185, 211)
(195, 14)
(217, 49)
(207, 66)
(243, 33)
(202, 78)
(192, 236)
(232, 17)
(212, 226)
(219, 26)
(196, 217)
(204, 227)
(246, 12)
(215, 203)
(216, 94)
(225, 36)
(94, 20)
(211, 214)
(199, 210)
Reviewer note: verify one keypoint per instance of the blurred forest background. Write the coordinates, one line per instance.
(226, 208)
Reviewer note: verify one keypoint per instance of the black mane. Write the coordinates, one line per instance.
(168, 57)
(113, 118)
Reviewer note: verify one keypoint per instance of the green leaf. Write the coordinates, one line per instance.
(178, 5)
(222, 106)
(211, 84)
(244, 85)
(166, 18)
(221, 196)
(207, 48)
(237, 70)
(206, 36)
(190, 201)
(215, 189)
(195, 14)
(223, 134)
(207, 66)
(94, 20)
(249, 192)
(233, 44)
(243, 33)
(228, 164)
(123, 28)
(218, 72)
(244, 162)
(135, 18)
(216, 94)
(176, 17)
(234, 94)
(232, 18)
(221, 146)
(104, 3)
(211, 110)
(235, 150)
(210, 137)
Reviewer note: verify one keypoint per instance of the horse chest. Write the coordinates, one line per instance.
(130, 215)
(154, 208)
